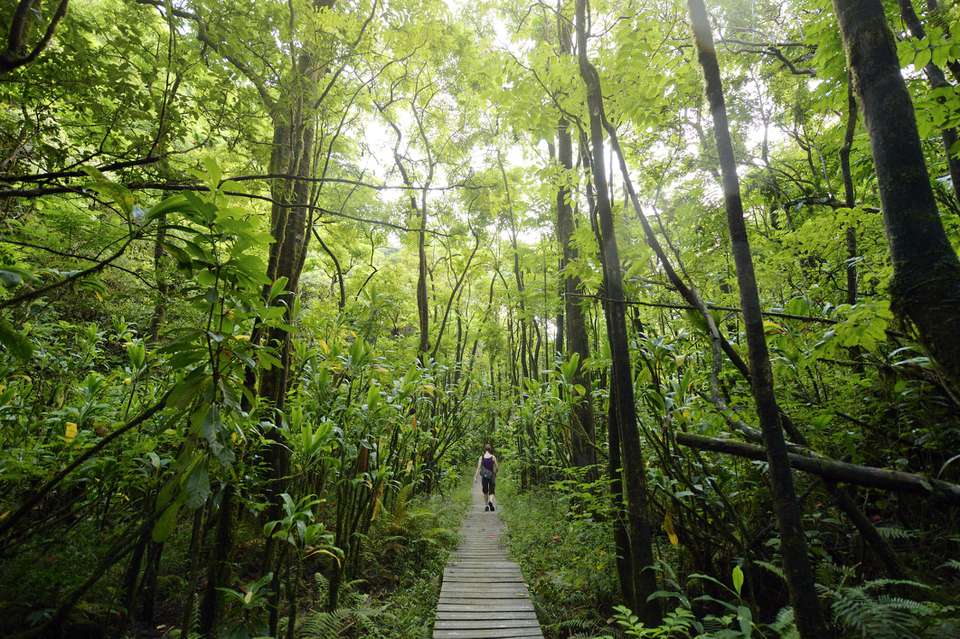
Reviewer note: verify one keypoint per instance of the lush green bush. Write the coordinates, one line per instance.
(566, 556)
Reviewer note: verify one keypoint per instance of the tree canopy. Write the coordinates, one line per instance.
(273, 273)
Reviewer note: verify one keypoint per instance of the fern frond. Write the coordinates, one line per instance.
(772, 568)
(892, 533)
(951, 563)
(336, 624)
(878, 584)
(881, 616)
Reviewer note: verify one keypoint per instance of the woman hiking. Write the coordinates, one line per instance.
(487, 468)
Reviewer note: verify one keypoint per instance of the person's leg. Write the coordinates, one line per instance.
(485, 485)
(492, 497)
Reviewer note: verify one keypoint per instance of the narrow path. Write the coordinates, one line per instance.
(483, 594)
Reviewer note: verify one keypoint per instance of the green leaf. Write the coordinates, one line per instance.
(737, 578)
(197, 487)
(15, 341)
(166, 523)
(279, 286)
(213, 172)
(12, 276)
(117, 193)
(745, 617)
(168, 205)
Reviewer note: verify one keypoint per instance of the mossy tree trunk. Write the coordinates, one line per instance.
(926, 272)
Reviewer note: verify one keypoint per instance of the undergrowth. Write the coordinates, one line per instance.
(567, 560)
(405, 554)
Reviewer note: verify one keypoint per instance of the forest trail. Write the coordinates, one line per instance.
(483, 594)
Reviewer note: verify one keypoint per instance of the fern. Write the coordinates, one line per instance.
(576, 626)
(784, 624)
(337, 624)
(892, 533)
(771, 568)
(880, 616)
(951, 563)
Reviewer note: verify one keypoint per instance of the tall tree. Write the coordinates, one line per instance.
(937, 80)
(582, 431)
(624, 409)
(926, 272)
(793, 543)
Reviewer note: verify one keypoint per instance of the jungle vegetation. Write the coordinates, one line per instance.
(273, 272)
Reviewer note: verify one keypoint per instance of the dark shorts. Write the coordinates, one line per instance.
(489, 485)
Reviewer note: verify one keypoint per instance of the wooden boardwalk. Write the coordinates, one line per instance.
(483, 594)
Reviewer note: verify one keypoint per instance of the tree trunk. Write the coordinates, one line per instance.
(582, 435)
(193, 569)
(148, 586)
(936, 79)
(423, 302)
(641, 533)
(159, 314)
(291, 154)
(850, 200)
(849, 196)
(218, 571)
(793, 544)
(926, 272)
(621, 538)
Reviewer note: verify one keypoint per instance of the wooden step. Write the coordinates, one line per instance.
(483, 595)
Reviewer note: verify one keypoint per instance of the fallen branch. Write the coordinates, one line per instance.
(867, 476)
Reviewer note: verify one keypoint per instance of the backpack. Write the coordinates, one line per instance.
(486, 473)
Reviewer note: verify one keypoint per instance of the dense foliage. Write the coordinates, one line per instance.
(272, 272)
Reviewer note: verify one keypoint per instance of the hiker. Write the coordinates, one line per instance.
(487, 468)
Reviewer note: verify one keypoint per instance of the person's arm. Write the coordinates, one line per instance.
(496, 465)
(477, 473)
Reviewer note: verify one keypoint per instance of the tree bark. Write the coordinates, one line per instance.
(793, 544)
(292, 153)
(640, 530)
(849, 196)
(582, 435)
(621, 537)
(15, 54)
(218, 570)
(926, 280)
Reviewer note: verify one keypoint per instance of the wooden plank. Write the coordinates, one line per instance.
(455, 586)
(466, 580)
(491, 633)
(445, 615)
(477, 571)
(475, 605)
(498, 601)
(461, 575)
(479, 591)
(483, 595)
(483, 624)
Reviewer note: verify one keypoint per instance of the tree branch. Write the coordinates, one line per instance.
(867, 476)
(9, 59)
